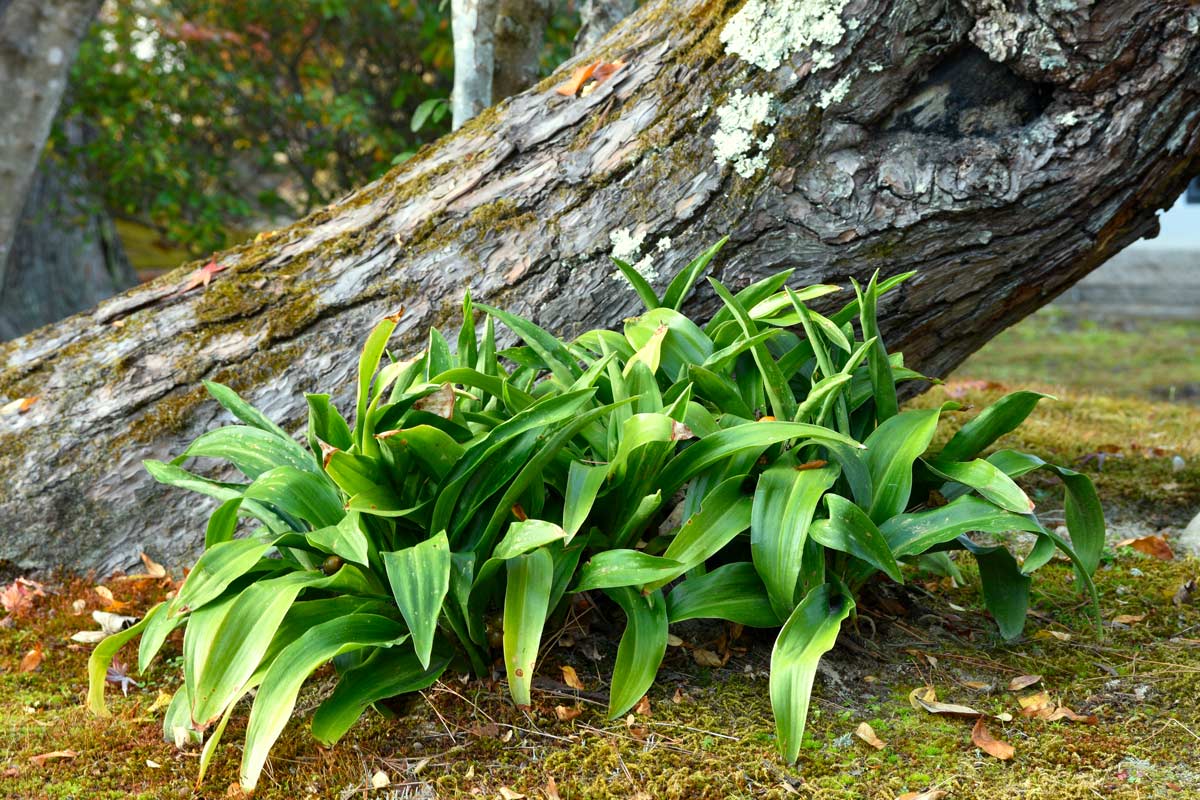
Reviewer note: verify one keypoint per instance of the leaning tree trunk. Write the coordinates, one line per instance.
(1002, 153)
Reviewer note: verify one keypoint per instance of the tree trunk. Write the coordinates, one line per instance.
(38, 42)
(65, 255)
(1002, 154)
(598, 17)
(472, 24)
(520, 35)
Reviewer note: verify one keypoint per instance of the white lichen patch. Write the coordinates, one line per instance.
(834, 93)
(628, 246)
(735, 141)
(767, 32)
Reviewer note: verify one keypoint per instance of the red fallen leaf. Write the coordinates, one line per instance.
(984, 740)
(1155, 546)
(201, 276)
(578, 78)
(17, 597)
(41, 759)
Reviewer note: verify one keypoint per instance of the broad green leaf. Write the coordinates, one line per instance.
(753, 436)
(892, 448)
(526, 604)
(326, 425)
(850, 530)
(681, 285)
(985, 478)
(882, 381)
(420, 577)
(784, 501)
(276, 698)
(583, 484)
(911, 534)
(247, 413)
(354, 473)
(610, 569)
(299, 494)
(101, 658)
(382, 501)
(368, 364)
(388, 672)
(683, 342)
(345, 540)
(645, 291)
(526, 535)
(749, 298)
(1005, 586)
(223, 523)
(809, 633)
(641, 649)
(555, 355)
(732, 592)
(720, 391)
(724, 513)
(432, 448)
(219, 566)
(182, 479)
(252, 450)
(1003, 416)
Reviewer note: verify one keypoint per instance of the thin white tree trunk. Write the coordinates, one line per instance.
(473, 25)
(597, 17)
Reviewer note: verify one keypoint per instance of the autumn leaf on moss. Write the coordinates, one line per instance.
(201, 276)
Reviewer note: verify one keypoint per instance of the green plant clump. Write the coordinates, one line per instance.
(738, 471)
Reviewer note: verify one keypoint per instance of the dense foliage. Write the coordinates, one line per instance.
(737, 471)
(205, 118)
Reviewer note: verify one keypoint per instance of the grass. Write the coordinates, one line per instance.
(708, 733)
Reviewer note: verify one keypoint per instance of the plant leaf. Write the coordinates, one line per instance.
(642, 647)
(420, 577)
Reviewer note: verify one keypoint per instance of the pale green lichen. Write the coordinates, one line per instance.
(767, 32)
(834, 93)
(735, 141)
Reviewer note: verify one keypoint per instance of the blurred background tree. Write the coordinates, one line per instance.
(210, 120)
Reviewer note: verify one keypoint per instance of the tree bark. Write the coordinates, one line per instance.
(65, 254)
(38, 42)
(520, 35)
(598, 17)
(1001, 153)
(473, 29)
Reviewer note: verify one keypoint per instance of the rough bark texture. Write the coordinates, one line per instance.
(473, 29)
(1002, 179)
(65, 255)
(520, 35)
(38, 42)
(598, 17)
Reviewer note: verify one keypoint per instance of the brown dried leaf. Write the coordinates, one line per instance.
(1033, 703)
(441, 402)
(18, 406)
(706, 658)
(509, 794)
(925, 697)
(1023, 682)
(1049, 634)
(984, 740)
(1062, 712)
(642, 709)
(32, 659)
(105, 594)
(41, 759)
(865, 732)
(552, 789)
(928, 794)
(578, 78)
(1155, 546)
(153, 568)
(565, 714)
(570, 678)
(1128, 619)
(605, 71)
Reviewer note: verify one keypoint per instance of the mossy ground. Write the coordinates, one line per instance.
(708, 733)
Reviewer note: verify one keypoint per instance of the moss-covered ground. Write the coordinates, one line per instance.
(708, 731)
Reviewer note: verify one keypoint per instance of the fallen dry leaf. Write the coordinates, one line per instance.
(571, 678)
(606, 70)
(865, 732)
(674, 641)
(984, 740)
(642, 709)
(112, 623)
(1048, 634)
(578, 78)
(32, 660)
(18, 406)
(1062, 712)
(679, 696)
(152, 764)
(1023, 682)
(565, 714)
(380, 779)
(440, 402)
(928, 794)
(78, 607)
(41, 759)
(509, 794)
(105, 594)
(1033, 703)
(17, 597)
(1128, 619)
(201, 276)
(706, 658)
(1185, 593)
(1155, 545)
(925, 697)
(153, 568)
(552, 789)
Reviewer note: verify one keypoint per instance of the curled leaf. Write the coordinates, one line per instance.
(1023, 682)
(865, 732)
(925, 697)
(1155, 546)
(983, 739)
(571, 678)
